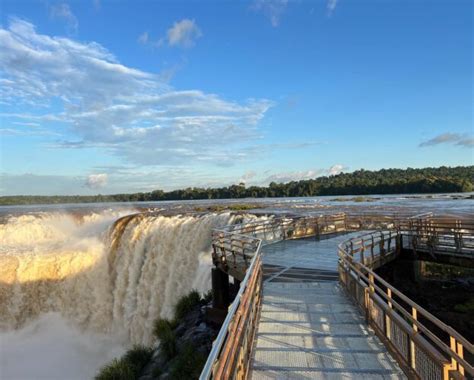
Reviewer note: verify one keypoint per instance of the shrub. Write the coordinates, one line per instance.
(162, 327)
(163, 330)
(208, 296)
(118, 369)
(186, 304)
(138, 356)
(466, 307)
(188, 364)
(128, 367)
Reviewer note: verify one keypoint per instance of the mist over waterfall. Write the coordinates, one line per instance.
(109, 273)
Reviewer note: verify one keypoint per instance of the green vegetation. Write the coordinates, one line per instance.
(163, 331)
(466, 307)
(128, 367)
(208, 296)
(189, 363)
(185, 361)
(186, 304)
(355, 199)
(235, 207)
(386, 181)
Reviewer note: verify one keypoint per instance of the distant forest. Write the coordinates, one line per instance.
(361, 182)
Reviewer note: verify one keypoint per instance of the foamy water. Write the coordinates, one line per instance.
(50, 347)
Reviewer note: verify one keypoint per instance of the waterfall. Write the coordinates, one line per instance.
(107, 273)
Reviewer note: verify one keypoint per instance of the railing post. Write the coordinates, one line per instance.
(414, 314)
(372, 247)
(458, 236)
(458, 349)
(388, 331)
(399, 242)
(369, 290)
(382, 243)
(460, 352)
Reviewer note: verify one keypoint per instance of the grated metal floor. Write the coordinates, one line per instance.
(308, 328)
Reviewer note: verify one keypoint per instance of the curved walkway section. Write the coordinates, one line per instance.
(308, 327)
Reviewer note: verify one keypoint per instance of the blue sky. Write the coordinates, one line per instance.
(113, 96)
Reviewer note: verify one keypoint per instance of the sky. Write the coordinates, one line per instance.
(109, 97)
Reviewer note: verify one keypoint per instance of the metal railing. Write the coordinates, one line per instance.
(424, 346)
(231, 351)
(237, 250)
(443, 235)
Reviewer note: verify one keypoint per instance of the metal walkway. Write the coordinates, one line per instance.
(308, 328)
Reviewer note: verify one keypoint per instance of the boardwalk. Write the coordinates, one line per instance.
(308, 328)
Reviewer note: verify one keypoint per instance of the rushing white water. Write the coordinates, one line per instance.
(103, 275)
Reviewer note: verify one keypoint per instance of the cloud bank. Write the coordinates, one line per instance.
(127, 112)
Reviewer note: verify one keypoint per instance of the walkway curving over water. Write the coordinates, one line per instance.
(308, 327)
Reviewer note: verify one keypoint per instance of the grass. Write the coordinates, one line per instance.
(128, 367)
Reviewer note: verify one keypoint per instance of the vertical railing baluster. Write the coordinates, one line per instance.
(388, 331)
(414, 314)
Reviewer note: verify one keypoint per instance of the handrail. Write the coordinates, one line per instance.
(219, 341)
(361, 274)
(245, 240)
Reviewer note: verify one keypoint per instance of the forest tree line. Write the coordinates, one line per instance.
(361, 182)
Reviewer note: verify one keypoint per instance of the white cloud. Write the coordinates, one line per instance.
(336, 169)
(97, 5)
(284, 177)
(143, 38)
(25, 124)
(331, 6)
(272, 9)
(127, 112)
(97, 181)
(183, 33)
(247, 176)
(458, 139)
(293, 176)
(63, 11)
